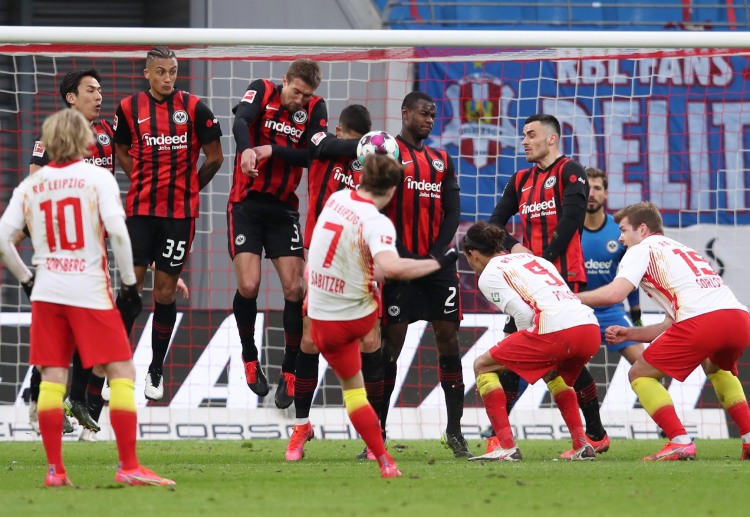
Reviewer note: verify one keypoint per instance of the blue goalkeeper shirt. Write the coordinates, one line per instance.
(602, 252)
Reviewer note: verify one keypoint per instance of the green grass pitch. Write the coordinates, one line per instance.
(226, 478)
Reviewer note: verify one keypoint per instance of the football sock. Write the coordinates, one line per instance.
(510, 381)
(34, 382)
(732, 397)
(364, 419)
(79, 379)
(589, 402)
(566, 400)
(372, 372)
(451, 378)
(292, 321)
(656, 401)
(493, 396)
(50, 410)
(245, 311)
(94, 398)
(389, 383)
(305, 382)
(124, 418)
(162, 326)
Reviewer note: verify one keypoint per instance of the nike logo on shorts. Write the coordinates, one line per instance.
(175, 264)
(295, 248)
(446, 311)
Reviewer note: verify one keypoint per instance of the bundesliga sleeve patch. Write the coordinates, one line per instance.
(249, 96)
(38, 149)
(386, 239)
(318, 137)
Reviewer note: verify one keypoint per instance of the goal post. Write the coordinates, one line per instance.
(664, 113)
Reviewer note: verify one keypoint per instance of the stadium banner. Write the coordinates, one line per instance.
(206, 395)
(666, 129)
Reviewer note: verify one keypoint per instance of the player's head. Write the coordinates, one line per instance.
(67, 136)
(541, 137)
(418, 112)
(598, 192)
(638, 221)
(482, 242)
(81, 89)
(299, 83)
(354, 122)
(380, 176)
(161, 71)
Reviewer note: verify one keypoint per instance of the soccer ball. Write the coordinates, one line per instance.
(378, 142)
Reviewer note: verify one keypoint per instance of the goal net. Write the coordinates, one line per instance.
(666, 124)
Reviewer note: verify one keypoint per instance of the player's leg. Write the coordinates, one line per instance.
(305, 382)
(566, 400)
(51, 349)
(75, 404)
(94, 401)
(143, 237)
(290, 270)
(397, 303)
(34, 382)
(645, 376)
(486, 370)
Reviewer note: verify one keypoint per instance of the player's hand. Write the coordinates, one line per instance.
(635, 316)
(29, 285)
(129, 301)
(248, 163)
(263, 152)
(182, 288)
(448, 257)
(616, 334)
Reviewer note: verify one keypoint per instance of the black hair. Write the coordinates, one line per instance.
(356, 118)
(72, 80)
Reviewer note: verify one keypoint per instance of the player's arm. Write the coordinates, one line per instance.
(11, 223)
(506, 208)
(617, 334)
(246, 112)
(634, 302)
(318, 120)
(209, 135)
(326, 146)
(609, 294)
(575, 196)
(394, 267)
(451, 204)
(123, 141)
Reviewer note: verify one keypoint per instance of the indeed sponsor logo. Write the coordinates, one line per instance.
(99, 161)
(340, 176)
(592, 264)
(538, 207)
(423, 185)
(165, 139)
(283, 127)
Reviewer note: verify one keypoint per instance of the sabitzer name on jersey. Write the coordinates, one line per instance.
(166, 142)
(538, 209)
(425, 188)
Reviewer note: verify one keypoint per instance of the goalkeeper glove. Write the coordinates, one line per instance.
(446, 258)
(29, 285)
(129, 302)
(635, 315)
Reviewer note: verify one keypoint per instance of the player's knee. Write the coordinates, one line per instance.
(307, 345)
(164, 295)
(293, 292)
(248, 289)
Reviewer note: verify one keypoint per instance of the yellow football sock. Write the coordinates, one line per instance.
(728, 388)
(487, 382)
(51, 395)
(557, 385)
(652, 394)
(122, 394)
(355, 399)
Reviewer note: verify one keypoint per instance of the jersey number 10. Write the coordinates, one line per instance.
(55, 217)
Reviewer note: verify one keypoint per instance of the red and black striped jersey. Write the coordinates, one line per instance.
(552, 206)
(102, 153)
(323, 179)
(261, 119)
(165, 138)
(418, 209)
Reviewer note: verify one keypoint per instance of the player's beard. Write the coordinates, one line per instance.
(593, 209)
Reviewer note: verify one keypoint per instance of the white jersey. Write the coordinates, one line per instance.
(676, 277)
(349, 232)
(63, 206)
(530, 289)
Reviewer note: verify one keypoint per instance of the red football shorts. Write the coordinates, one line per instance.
(532, 356)
(57, 330)
(721, 336)
(338, 341)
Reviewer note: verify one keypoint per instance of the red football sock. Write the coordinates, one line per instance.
(366, 422)
(567, 403)
(740, 413)
(51, 417)
(124, 419)
(495, 405)
(666, 418)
